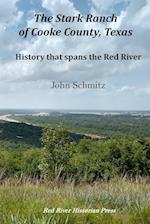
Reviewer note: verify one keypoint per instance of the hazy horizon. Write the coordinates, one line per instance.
(71, 109)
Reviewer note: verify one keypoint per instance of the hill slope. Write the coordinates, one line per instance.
(23, 136)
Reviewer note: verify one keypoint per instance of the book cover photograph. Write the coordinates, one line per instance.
(75, 112)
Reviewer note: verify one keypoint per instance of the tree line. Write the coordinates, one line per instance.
(87, 160)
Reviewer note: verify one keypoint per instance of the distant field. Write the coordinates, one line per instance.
(24, 202)
(106, 126)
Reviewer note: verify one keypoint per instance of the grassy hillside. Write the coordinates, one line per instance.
(23, 202)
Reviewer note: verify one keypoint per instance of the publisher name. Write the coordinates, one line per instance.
(79, 211)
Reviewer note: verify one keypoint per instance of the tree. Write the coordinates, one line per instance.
(57, 145)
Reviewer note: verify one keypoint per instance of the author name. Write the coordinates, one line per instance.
(77, 85)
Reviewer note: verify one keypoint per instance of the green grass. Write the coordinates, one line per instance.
(22, 202)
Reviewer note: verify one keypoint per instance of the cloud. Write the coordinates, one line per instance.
(109, 6)
(10, 16)
(146, 89)
(135, 90)
(9, 13)
(57, 6)
(126, 89)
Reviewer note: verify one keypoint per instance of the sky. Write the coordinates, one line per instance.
(27, 85)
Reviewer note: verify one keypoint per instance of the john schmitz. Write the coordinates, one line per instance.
(78, 85)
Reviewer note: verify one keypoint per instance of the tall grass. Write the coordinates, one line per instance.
(23, 202)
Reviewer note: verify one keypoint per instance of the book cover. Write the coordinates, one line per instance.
(74, 112)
